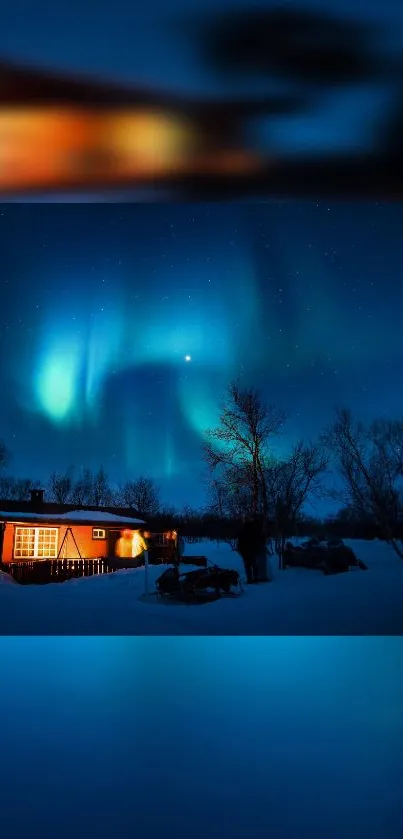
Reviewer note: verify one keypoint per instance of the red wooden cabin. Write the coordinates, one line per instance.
(37, 531)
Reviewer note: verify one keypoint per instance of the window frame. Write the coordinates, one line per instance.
(38, 533)
(159, 540)
(99, 530)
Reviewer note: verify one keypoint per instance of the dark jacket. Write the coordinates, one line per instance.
(251, 539)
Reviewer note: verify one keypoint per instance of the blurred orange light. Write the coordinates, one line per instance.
(146, 142)
(54, 146)
(38, 147)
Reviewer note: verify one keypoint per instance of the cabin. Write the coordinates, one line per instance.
(61, 131)
(39, 531)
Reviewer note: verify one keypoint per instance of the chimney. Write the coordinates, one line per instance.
(37, 498)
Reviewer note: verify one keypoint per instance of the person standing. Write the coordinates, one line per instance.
(139, 547)
(123, 546)
(131, 544)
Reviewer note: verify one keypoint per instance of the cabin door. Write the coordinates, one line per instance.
(113, 536)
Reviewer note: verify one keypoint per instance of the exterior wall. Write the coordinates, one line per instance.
(89, 548)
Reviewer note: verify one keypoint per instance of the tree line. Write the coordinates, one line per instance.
(87, 488)
(245, 475)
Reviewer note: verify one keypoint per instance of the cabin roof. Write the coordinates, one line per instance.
(93, 517)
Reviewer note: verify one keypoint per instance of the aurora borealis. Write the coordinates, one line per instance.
(121, 326)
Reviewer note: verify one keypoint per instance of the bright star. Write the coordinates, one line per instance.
(188, 357)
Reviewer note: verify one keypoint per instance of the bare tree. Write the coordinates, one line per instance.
(16, 489)
(291, 482)
(23, 487)
(4, 455)
(230, 498)
(237, 449)
(218, 493)
(231, 491)
(142, 495)
(168, 512)
(60, 487)
(188, 512)
(92, 489)
(82, 490)
(370, 462)
(102, 494)
(7, 487)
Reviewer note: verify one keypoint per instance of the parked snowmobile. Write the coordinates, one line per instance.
(332, 557)
(203, 584)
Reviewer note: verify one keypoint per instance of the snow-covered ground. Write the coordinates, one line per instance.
(298, 601)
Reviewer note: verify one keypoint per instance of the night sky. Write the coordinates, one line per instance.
(102, 304)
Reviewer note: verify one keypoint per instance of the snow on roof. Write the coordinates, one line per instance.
(75, 516)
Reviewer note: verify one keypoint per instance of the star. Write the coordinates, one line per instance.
(188, 357)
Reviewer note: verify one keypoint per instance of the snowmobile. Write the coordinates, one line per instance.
(332, 557)
(202, 585)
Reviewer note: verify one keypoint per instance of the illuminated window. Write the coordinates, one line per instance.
(35, 543)
(98, 533)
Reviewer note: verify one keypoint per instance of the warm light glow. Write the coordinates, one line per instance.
(149, 142)
(232, 162)
(52, 146)
(138, 544)
(130, 544)
(41, 146)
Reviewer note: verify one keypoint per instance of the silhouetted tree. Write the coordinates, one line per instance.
(4, 455)
(82, 489)
(231, 491)
(101, 493)
(370, 462)
(60, 487)
(168, 510)
(236, 450)
(291, 482)
(7, 486)
(23, 487)
(16, 489)
(142, 496)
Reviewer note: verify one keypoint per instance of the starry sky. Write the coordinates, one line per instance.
(121, 326)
